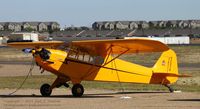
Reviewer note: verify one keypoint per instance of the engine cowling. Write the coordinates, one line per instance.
(44, 54)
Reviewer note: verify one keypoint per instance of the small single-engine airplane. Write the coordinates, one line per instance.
(97, 60)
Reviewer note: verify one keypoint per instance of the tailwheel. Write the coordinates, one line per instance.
(77, 90)
(169, 88)
(45, 90)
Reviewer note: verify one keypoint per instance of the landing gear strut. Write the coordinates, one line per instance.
(170, 88)
(64, 84)
(45, 90)
(77, 90)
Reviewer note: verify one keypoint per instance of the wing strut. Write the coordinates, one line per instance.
(114, 57)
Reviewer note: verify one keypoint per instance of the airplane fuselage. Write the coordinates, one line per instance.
(77, 69)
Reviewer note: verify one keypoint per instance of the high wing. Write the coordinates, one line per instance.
(46, 44)
(104, 47)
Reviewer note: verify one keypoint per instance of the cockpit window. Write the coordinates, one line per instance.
(81, 55)
(98, 60)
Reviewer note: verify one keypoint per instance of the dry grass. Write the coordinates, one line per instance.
(34, 82)
(185, 54)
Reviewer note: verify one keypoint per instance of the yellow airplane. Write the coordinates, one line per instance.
(97, 60)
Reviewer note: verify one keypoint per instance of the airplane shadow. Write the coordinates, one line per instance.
(184, 100)
(140, 92)
(52, 96)
(121, 93)
(98, 95)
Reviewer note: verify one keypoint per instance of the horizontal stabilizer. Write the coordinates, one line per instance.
(184, 75)
(171, 75)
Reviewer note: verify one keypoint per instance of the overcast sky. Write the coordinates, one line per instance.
(85, 12)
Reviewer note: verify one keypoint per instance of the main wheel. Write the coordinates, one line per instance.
(45, 90)
(77, 90)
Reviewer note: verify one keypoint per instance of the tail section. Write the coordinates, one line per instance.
(165, 71)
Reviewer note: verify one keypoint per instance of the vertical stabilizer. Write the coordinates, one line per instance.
(165, 71)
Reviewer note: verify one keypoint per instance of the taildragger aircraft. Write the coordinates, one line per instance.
(98, 60)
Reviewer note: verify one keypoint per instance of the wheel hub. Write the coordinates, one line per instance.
(47, 90)
(79, 90)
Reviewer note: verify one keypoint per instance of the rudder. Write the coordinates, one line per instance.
(165, 71)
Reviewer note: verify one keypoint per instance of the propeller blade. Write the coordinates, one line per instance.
(27, 50)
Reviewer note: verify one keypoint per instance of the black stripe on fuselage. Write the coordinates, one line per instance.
(81, 62)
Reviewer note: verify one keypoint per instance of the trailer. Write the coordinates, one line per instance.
(23, 37)
(167, 40)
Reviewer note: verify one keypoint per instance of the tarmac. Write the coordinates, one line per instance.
(98, 99)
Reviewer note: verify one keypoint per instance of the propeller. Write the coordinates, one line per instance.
(43, 53)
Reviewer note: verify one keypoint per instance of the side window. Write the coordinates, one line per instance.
(72, 54)
(75, 53)
(98, 60)
(88, 58)
(80, 57)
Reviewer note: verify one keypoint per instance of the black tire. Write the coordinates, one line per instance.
(171, 90)
(77, 90)
(45, 90)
